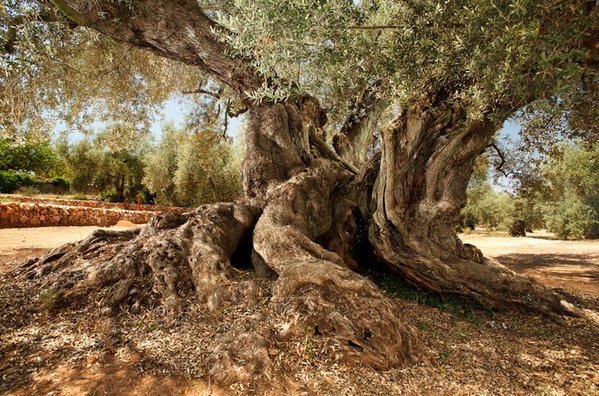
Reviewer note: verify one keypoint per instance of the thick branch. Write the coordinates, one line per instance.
(176, 30)
(353, 138)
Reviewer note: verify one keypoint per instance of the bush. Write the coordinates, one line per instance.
(11, 180)
(592, 231)
(571, 218)
(60, 182)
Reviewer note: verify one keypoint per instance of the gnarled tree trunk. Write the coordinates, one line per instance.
(428, 155)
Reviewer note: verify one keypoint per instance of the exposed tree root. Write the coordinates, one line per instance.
(305, 235)
(174, 258)
(315, 289)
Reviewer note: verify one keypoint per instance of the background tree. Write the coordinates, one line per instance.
(572, 195)
(192, 168)
(28, 164)
(116, 175)
(38, 157)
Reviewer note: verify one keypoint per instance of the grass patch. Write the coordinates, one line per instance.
(459, 306)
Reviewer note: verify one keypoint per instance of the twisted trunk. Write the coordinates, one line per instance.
(428, 155)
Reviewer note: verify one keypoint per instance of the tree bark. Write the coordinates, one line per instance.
(428, 155)
(178, 30)
(357, 132)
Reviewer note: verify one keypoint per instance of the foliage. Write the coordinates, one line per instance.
(495, 209)
(82, 161)
(120, 175)
(11, 180)
(559, 192)
(571, 217)
(115, 174)
(60, 182)
(492, 56)
(38, 157)
(572, 194)
(52, 71)
(491, 209)
(192, 168)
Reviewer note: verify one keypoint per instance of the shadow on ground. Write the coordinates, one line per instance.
(570, 271)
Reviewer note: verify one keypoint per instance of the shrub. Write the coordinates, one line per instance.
(11, 180)
(592, 231)
(570, 218)
(60, 182)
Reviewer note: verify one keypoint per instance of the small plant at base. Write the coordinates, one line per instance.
(423, 325)
(443, 356)
(309, 340)
(48, 299)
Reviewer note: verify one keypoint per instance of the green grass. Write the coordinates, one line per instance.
(49, 299)
(461, 307)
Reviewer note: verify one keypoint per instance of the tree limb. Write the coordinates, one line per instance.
(176, 30)
(501, 158)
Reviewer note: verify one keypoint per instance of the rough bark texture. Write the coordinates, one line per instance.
(315, 286)
(177, 30)
(173, 258)
(278, 143)
(427, 159)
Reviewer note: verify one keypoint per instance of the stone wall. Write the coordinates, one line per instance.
(91, 204)
(18, 214)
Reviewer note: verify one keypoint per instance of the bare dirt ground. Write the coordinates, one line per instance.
(571, 265)
(17, 243)
(466, 350)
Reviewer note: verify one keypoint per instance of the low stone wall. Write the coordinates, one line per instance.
(92, 204)
(19, 215)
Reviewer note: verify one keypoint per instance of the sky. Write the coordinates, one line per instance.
(174, 112)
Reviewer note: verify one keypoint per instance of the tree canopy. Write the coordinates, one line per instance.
(364, 123)
(491, 57)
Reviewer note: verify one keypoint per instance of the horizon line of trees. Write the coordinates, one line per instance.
(183, 168)
(189, 168)
(561, 195)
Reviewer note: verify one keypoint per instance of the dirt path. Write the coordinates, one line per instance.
(571, 265)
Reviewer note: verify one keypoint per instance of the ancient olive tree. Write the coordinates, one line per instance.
(409, 92)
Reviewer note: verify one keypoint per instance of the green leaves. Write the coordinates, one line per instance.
(492, 55)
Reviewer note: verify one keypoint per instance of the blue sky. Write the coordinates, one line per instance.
(174, 111)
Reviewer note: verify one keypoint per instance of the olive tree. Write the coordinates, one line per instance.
(364, 123)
